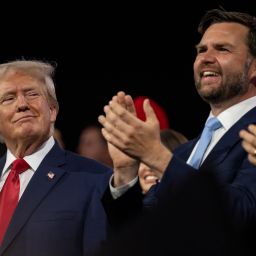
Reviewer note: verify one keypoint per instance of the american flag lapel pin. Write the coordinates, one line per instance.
(50, 175)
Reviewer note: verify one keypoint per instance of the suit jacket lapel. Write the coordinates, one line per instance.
(185, 149)
(226, 143)
(2, 162)
(230, 139)
(44, 179)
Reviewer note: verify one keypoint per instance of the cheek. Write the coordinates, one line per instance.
(51, 112)
(196, 64)
(5, 119)
(143, 185)
(142, 170)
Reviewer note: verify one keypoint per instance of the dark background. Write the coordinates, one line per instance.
(143, 48)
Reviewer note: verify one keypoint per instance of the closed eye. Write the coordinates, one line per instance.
(223, 49)
(201, 49)
(7, 99)
(32, 94)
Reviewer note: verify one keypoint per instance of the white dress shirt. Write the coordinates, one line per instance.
(33, 160)
(227, 118)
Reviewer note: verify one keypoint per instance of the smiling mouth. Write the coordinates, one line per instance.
(209, 74)
(24, 118)
(151, 179)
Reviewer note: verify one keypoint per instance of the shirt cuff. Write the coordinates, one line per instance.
(118, 191)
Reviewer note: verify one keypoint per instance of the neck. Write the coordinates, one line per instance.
(217, 108)
(22, 148)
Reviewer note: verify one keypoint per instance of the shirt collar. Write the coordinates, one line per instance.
(34, 160)
(231, 115)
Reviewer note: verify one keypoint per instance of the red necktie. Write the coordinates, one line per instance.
(9, 195)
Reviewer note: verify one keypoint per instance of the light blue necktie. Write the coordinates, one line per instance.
(211, 125)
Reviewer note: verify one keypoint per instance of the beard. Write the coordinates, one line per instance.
(235, 84)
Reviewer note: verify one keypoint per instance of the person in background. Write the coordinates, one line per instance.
(160, 112)
(50, 199)
(93, 145)
(171, 139)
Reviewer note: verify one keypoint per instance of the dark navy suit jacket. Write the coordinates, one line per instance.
(62, 216)
(228, 165)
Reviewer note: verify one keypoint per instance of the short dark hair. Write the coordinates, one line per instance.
(218, 16)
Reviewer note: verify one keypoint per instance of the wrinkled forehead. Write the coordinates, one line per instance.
(14, 80)
(232, 32)
(19, 76)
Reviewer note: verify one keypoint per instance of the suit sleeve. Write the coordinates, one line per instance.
(125, 209)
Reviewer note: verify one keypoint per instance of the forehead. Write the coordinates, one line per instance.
(15, 79)
(228, 31)
(91, 132)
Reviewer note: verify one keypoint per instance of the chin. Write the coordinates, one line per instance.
(210, 93)
(26, 133)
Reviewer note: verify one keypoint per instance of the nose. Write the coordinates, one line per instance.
(22, 104)
(207, 57)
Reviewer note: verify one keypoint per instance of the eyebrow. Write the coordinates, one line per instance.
(13, 91)
(198, 46)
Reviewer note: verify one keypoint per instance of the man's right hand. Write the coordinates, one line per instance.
(125, 167)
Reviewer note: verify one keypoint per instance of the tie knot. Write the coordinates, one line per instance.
(20, 165)
(213, 123)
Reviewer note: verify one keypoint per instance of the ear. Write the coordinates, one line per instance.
(253, 73)
(53, 113)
